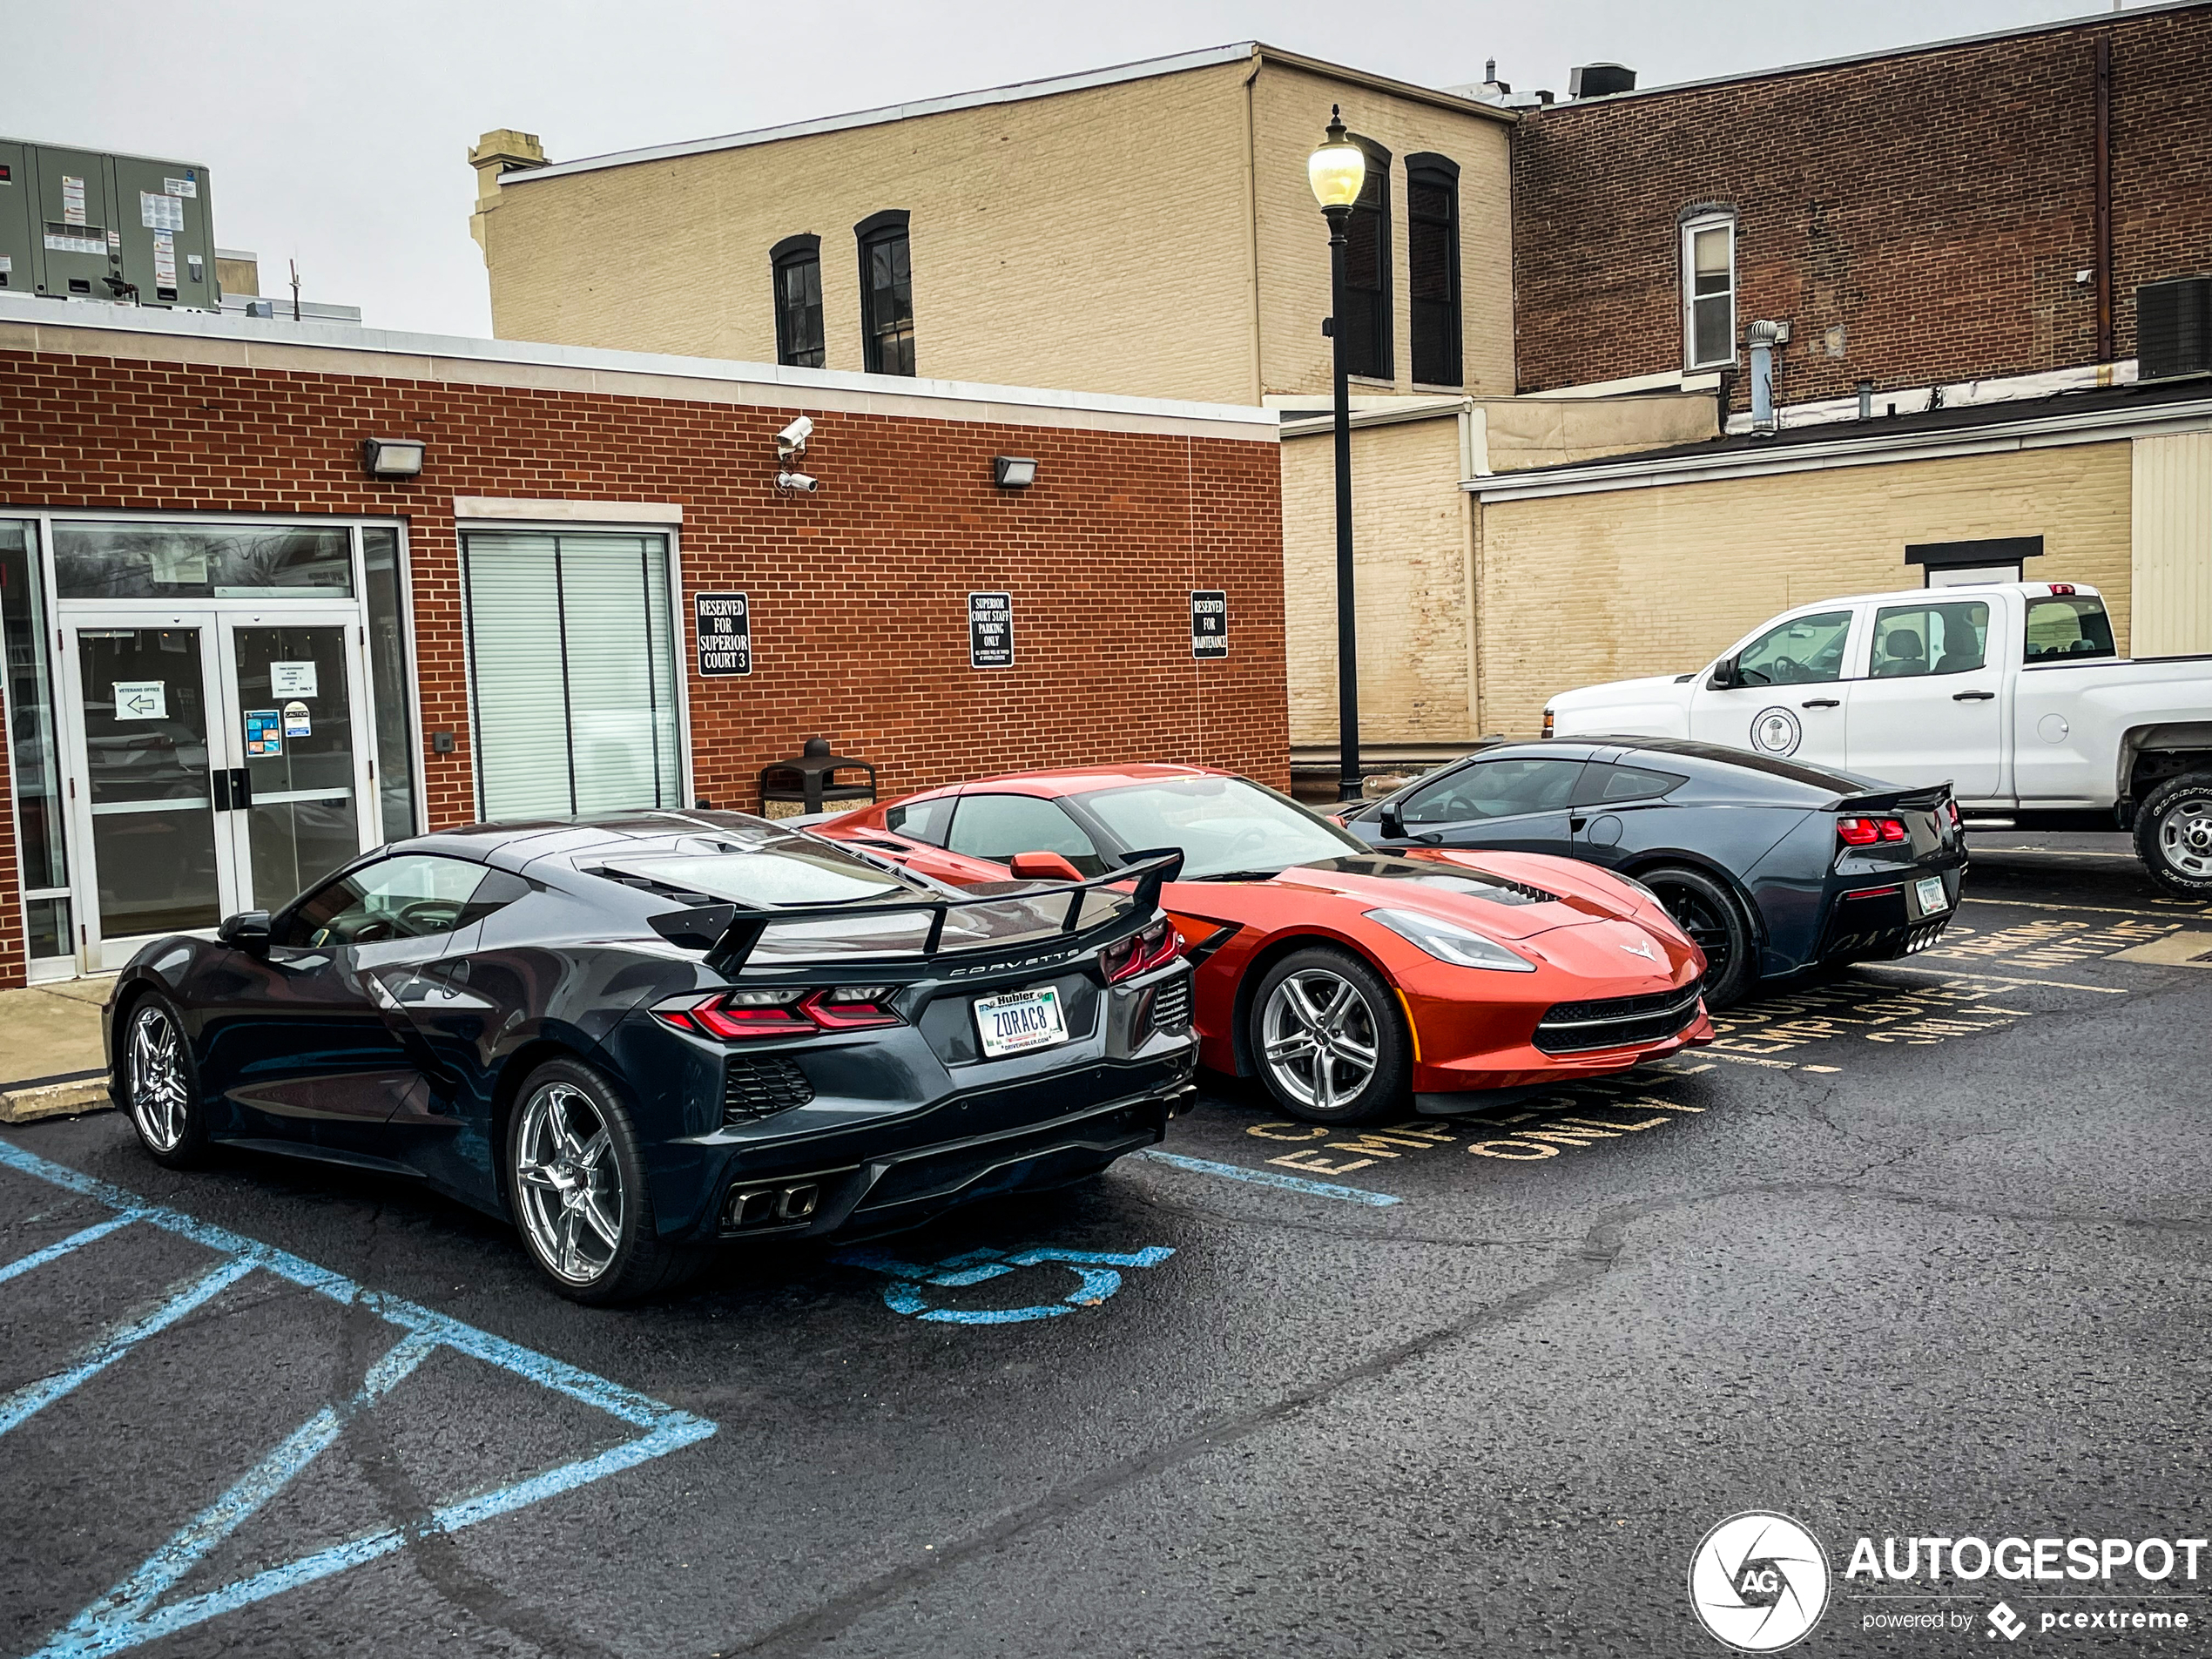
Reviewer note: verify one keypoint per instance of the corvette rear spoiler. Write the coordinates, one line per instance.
(728, 933)
(1922, 798)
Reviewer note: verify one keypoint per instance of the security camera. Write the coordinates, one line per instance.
(788, 481)
(791, 440)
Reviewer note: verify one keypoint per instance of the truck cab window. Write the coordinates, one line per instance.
(1804, 651)
(2067, 628)
(1933, 638)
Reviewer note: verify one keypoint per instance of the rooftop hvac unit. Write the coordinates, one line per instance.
(2173, 328)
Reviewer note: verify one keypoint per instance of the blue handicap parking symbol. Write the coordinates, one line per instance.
(1094, 1271)
(139, 1608)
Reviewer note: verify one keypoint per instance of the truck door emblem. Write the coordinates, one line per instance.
(1775, 732)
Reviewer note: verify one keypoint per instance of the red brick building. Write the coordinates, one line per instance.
(235, 657)
(1953, 213)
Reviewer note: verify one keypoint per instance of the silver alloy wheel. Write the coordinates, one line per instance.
(2185, 836)
(568, 1183)
(161, 1098)
(1319, 1039)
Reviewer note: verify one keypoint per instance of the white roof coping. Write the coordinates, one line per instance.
(1018, 91)
(98, 328)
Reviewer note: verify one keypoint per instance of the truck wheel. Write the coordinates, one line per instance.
(1716, 925)
(2174, 835)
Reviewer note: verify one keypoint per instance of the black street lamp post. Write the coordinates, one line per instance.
(1337, 172)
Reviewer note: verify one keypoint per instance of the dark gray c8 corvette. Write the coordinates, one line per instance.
(1773, 867)
(634, 1036)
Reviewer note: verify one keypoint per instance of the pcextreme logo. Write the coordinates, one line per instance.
(1758, 1583)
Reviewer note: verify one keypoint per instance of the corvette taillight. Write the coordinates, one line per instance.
(736, 1015)
(1952, 808)
(1865, 831)
(1140, 953)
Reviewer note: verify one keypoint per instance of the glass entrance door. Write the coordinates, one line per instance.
(147, 810)
(226, 767)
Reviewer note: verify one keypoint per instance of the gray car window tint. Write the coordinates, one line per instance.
(1493, 789)
(411, 896)
(998, 826)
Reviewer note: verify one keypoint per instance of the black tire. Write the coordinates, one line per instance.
(1315, 1086)
(1709, 913)
(159, 1084)
(559, 1181)
(2174, 835)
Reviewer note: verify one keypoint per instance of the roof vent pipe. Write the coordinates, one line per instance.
(1763, 337)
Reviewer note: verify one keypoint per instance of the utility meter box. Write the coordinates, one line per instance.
(18, 242)
(109, 227)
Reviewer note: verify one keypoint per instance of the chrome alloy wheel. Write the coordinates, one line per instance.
(2185, 836)
(160, 1095)
(567, 1185)
(1318, 1037)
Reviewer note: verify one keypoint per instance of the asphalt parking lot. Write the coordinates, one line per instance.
(1925, 1249)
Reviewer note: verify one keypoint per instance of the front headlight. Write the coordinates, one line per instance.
(1449, 942)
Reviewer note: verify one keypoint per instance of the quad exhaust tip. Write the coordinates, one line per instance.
(767, 1206)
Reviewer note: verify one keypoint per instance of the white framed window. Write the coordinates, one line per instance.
(1709, 291)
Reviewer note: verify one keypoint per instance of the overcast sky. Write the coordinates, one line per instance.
(337, 134)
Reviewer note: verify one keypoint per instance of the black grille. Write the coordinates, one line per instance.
(758, 1086)
(1171, 1004)
(1615, 1022)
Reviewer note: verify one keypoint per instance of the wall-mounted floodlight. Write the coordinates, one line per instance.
(1013, 472)
(392, 457)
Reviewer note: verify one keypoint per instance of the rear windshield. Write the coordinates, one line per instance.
(2067, 628)
(1797, 772)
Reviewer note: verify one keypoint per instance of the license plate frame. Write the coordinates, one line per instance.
(1929, 907)
(1001, 1038)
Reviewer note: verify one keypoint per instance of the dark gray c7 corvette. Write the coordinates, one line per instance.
(634, 1036)
(1771, 866)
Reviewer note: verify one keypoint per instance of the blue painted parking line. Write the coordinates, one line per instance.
(128, 1615)
(1271, 1178)
(1094, 1268)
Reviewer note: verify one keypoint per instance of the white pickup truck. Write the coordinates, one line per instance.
(2011, 692)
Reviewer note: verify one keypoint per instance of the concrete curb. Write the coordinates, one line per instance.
(55, 1100)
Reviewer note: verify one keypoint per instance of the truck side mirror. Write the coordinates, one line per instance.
(1725, 676)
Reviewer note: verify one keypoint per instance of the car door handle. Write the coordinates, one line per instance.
(1973, 697)
(1822, 703)
(1574, 824)
(1432, 838)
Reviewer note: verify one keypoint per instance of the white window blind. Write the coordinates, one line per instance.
(572, 672)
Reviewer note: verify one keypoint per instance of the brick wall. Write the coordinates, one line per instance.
(1579, 589)
(1932, 206)
(858, 593)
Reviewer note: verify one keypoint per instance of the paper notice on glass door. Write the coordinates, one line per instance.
(292, 680)
(140, 699)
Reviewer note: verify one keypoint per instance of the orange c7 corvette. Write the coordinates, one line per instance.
(1344, 979)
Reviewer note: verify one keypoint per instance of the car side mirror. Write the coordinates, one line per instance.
(1725, 676)
(247, 931)
(1042, 866)
(1394, 824)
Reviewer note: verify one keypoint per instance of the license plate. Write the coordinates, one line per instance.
(1019, 1021)
(1929, 891)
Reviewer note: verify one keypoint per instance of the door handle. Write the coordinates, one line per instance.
(1432, 838)
(219, 779)
(1574, 824)
(1822, 703)
(241, 789)
(1973, 696)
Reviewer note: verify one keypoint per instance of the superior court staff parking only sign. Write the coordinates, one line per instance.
(724, 622)
(990, 630)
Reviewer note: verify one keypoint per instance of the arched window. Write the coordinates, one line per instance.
(1433, 266)
(796, 263)
(1366, 273)
(887, 294)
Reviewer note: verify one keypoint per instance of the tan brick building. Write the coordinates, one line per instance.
(1146, 230)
